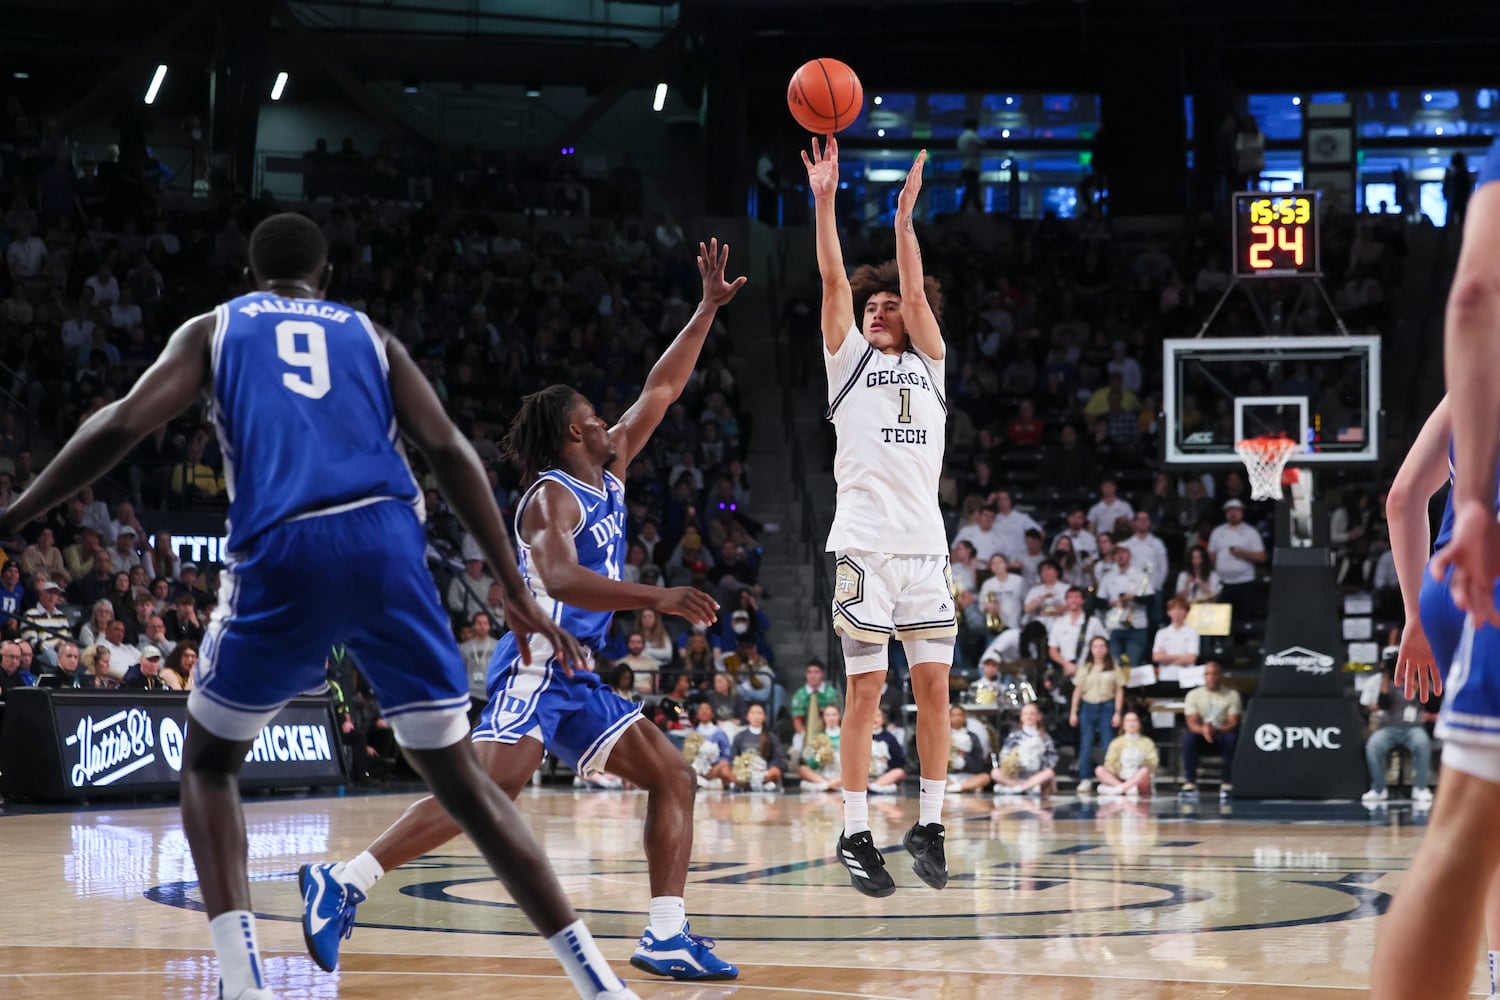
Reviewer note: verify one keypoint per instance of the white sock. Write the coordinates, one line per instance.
(239, 954)
(930, 800)
(580, 957)
(668, 916)
(1494, 968)
(856, 812)
(363, 872)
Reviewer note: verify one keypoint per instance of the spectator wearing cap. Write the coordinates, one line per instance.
(124, 555)
(469, 591)
(183, 621)
(45, 622)
(1236, 550)
(11, 674)
(125, 518)
(145, 675)
(191, 583)
(753, 675)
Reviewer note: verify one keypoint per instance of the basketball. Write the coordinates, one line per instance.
(825, 96)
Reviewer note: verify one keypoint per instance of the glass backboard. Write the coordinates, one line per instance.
(1321, 391)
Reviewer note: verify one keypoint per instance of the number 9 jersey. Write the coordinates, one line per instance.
(891, 419)
(329, 441)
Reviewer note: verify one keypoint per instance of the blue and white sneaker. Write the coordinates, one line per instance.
(327, 913)
(685, 956)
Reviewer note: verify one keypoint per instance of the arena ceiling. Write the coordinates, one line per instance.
(87, 50)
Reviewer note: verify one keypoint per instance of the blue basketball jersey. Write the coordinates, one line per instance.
(1491, 169)
(302, 404)
(599, 538)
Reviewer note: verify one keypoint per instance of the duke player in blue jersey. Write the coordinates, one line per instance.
(310, 399)
(571, 529)
(1428, 939)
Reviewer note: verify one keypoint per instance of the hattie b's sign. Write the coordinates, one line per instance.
(72, 745)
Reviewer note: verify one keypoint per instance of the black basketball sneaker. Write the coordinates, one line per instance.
(925, 845)
(866, 865)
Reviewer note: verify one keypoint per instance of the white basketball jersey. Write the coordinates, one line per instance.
(891, 419)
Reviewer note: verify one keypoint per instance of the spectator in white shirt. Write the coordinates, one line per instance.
(1068, 639)
(1084, 542)
(1148, 553)
(1110, 509)
(467, 592)
(1006, 589)
(1127, 594)
(26, 254)
(1031, 560)
(121, 656)
(1236, 549)
(1198, 582)
(78, 335)
(1177, 643)
(1046, 601)
(1012, 525)
(964, 566)
(125, 314)
(986, 538)
(106, 289)
(1126, 367)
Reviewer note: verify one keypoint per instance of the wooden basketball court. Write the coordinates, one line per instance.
(1130, 901)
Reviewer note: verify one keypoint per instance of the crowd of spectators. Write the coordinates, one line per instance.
(500, 273)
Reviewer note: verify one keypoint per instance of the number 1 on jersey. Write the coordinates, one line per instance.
(905, 417)
(313, 358)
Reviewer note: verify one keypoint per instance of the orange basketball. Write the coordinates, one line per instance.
(825, 96)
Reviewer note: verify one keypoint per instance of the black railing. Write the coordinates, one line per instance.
(809, 528)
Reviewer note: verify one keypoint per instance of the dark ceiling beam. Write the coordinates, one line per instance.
(146, 54)
(483, 59)
(650, 66)
(315, 51)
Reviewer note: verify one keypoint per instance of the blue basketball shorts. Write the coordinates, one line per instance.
(1471, 693)
(578, 718)
(1442, 621)
(356, 578)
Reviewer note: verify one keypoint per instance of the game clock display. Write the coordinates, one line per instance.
(1276, 235)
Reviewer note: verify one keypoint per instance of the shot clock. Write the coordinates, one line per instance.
(1276, 234)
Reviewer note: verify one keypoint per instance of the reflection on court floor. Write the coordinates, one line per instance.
(1144, 899)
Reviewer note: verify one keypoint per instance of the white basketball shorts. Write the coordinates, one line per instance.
(877, 595)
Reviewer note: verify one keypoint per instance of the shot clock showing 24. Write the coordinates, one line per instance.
(1276, 234)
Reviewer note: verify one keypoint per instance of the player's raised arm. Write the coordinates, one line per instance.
(548, 526)
(1471, 344)
(1422, 473)
(669, 376)
(916, 311)
(838, 300)
(461, 478)
(163, 391)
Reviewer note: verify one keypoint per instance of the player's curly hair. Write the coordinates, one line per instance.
(540, 429)
(287, 247)
(871, 278)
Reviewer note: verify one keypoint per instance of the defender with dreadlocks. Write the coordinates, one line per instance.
(570, 525)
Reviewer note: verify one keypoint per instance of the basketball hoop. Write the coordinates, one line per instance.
(1265, 459)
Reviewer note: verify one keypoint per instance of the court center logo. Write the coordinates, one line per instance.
(1301, 659)
(1269, 738)
(1077, 890)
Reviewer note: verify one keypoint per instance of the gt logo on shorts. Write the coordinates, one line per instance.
(849, 581)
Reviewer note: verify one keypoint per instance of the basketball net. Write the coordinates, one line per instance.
(1265, 460)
